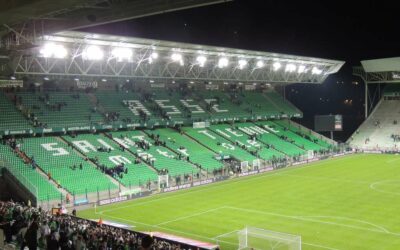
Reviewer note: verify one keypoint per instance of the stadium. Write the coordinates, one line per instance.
(112, 141)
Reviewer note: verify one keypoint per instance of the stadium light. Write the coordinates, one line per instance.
(316, 71)
(177, 58)
(260, 64)
(201, 60)
(93, 52)
(122, 54)
(301, 69)
(54, 51)
(276, 66)
(154, 55)
(242, 63)
(223, 62)
(290, 67)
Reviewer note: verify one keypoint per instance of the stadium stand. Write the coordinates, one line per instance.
(222, 106)
(302, 132)
(10, 118)
(128, 105)
(59, 109)
(282, 105)
(65, 166)
(218, 144)
(30, 175)
(112, 159)
(179, 143)
(380, 130)
(154, 153)
(247, 142)
(271, 139)
(290, 136)
(102, 161)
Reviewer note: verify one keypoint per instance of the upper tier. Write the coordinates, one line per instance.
(46, 112)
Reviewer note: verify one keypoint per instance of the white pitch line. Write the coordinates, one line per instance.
(372, 186)
(189, 216)
(220, 235)
(221, 184)
(383, 229)
(204, 237)
(312, 220)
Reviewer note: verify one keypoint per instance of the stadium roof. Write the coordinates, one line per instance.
(384, 70)
(25, 17)
(130, 57)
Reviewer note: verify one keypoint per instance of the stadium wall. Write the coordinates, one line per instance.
(10, 187)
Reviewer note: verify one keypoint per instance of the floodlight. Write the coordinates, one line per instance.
(290, 67)
(260, 64)
(93, 52)
(176, 57)
(122, 54)
(104, 80)
(53, 50)
(223, 62)
(151, 81)
(316, 71)
(201, 60)
(76, 79)
(46, 78)
(154, 55)
(276, 66)
(13, 78)
(242, 63)
(301, 69)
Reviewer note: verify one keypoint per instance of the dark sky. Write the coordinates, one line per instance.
(344, 31)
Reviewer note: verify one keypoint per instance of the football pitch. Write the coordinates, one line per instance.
(350, 202)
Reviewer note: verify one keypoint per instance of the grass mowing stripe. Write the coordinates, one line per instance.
(328, 203)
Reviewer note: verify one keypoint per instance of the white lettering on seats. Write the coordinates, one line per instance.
(165, 153)
(235, 133)
(205, 132)
(58, 151)
(223, 133)
(135, 106)
(215, 106)
(125, 142)
(145, 156)
(175, 110)
(228, 146)
(183, 151)
(84, 146)
(253, 143)
(197, 108)
(267, 127)
(118, 159)
(105, 144)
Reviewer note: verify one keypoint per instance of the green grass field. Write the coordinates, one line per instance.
(351, 202)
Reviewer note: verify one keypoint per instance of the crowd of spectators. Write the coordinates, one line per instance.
(34, 228)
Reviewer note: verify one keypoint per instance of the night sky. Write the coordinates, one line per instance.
(309, 28)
